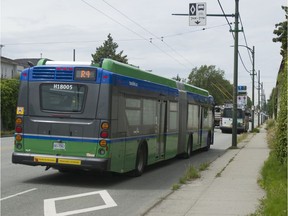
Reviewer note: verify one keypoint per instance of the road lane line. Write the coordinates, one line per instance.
(50, 204)
(27, 191)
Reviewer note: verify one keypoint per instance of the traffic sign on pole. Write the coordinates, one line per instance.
(197, 14)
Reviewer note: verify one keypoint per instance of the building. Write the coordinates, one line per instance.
(11, 68)
(8, 68)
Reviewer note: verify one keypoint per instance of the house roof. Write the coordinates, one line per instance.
(9, 61)
(24, 61)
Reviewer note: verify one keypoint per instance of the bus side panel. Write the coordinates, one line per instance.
(117, 150)
(171, 145)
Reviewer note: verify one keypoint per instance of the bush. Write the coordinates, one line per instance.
(281, 131)
(9, 96)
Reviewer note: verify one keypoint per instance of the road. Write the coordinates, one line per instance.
(30, 191)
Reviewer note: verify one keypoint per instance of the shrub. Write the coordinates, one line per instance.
(9, 95)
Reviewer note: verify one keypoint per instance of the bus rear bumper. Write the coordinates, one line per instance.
(59, 162)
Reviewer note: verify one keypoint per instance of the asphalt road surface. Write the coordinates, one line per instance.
(32, 191)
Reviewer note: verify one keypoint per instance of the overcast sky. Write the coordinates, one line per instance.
(52, 29)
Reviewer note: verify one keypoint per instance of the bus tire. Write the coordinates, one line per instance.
(141, 160)
(208, 142)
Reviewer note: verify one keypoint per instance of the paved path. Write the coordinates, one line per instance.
(228, 187)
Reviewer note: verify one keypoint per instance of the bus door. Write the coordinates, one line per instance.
(161, 128)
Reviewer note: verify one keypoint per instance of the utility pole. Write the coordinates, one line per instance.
(235, 88)
(253, 87)
(1, 46)
(253, 74)
(235, 79)
(259, 98)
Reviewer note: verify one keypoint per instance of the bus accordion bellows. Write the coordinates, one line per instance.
(111, 117)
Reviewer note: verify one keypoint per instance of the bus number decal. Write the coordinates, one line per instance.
(62, 87)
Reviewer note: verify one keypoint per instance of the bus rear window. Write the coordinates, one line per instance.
(62, 97)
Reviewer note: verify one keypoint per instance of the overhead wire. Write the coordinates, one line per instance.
(151, 33)
(245, 39)
(239, 54)
(246, 43)
(134, 32)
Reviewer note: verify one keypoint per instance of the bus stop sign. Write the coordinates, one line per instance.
(197, 14)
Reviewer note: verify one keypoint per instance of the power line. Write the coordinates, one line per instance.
(114, 20)
(124, 39)
(129, 29)
(151, 33)
(245, 40)
(239, 54)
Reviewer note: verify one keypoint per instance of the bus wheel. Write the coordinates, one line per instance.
(207, 147)
(140, 160)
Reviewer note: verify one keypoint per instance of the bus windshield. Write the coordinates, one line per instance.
(62, 97)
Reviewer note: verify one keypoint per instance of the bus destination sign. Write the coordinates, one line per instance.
(85, 74)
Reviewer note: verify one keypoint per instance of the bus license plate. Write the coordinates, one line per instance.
(58, 146)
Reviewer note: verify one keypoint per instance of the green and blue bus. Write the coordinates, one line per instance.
(110, 117)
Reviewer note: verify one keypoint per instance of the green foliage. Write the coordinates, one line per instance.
(270, 123)
(274, 181)
(272, 104)
(192, 173)
(281, 131)
(212, 79)
(281, 32)
(256, 130)
(9, 95)
(204, 166)
(175, 187)
(108, 50)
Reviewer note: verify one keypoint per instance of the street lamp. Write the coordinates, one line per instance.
(253, 74)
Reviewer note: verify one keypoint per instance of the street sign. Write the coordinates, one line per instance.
(242, 90)
(242, 100)
(197, 14)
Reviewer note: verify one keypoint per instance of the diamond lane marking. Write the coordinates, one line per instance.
(50, 208)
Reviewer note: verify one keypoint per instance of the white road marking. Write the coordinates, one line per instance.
(50, 208)
(27, 191)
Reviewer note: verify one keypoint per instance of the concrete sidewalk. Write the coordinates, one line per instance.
(228, 187)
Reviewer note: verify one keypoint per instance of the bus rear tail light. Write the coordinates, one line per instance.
(103, 143)
(18, 125)
(18, 137)
(18, 121)
(105, 126)
(104, 134)
(18, 129)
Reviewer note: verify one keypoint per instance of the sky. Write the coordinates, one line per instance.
(148, 33)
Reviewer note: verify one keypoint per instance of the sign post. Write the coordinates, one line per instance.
(197, 14)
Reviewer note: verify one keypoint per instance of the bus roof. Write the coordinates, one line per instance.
(127, 70)
(132, 71)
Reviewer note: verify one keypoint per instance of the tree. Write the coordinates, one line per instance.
(108, 50)
(212, 79)
(281, 32)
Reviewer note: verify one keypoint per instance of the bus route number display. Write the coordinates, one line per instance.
(85, 74)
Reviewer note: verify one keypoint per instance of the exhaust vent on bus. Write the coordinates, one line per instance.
(52, 73)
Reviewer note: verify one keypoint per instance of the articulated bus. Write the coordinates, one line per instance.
(109, 117)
